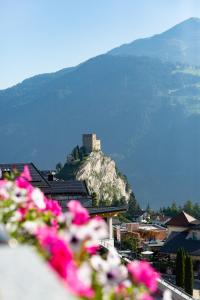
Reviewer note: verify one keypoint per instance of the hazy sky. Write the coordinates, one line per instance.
(39, 36)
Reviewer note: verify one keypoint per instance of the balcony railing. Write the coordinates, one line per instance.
(107, 243)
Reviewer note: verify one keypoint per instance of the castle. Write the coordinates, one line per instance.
(90, 143)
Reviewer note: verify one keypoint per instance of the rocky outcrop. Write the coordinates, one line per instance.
(102, 177)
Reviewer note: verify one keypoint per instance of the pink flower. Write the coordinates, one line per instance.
(146, 296)
(80, 215)
(142, 272)
(54, 224)
(23, 183)
(26, 174)
(92, 249)
(54, 207)
(57, 249)
(79, 281)
(60, 259)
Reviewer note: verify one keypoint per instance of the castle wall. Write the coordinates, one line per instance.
(91, 143)
(88, 142)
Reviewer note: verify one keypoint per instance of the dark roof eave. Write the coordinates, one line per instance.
(102, 210)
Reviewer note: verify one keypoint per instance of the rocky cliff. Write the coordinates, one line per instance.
(102, 177)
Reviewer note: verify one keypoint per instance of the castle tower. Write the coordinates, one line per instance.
(91, 143)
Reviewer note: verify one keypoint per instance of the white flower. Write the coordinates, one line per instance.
(15, 217)
(11, 227)
(113, 257)
(61, 218)
(85, 273)
(38, 198)
(31, 226)
(75, 237)
(18, 195)
(109, 272)
(4, 193)
(98, 229)
(10, 191)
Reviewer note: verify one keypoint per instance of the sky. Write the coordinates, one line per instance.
(41, 36)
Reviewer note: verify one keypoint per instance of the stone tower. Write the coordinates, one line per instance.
(90, 142)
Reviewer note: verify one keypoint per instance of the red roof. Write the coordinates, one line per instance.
(183, 220)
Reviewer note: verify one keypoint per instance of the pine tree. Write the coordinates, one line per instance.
(189, 276)
(174, 209)
(180, 268)
(133, 206)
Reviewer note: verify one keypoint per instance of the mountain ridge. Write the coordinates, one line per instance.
(146, 111)
(177, 44)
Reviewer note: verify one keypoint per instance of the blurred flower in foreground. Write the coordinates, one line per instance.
(70, 242)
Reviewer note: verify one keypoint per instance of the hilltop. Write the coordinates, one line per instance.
(100, 173)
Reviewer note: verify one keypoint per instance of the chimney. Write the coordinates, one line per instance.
(50, 177)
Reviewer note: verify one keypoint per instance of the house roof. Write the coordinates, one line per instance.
(139, 213)
(183, 220)
(68, 187)
(37, 179)
(160, 217)
(178, 240)
(106, 209)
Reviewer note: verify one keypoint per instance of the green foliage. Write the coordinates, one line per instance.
(180, 268)
(130, 242)
(95, 201)
(76, 153)
(124, 218)
(124, 178)
(133, 206)
(189, 276)
(104, 202)
(189, 207)
(58, 167)
(69, 170)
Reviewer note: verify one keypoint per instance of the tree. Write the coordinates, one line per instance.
(188, 207)
(95, 200)
(133, 206)
(104, 202)
(123, 201)
(58, 167)
(130, 242)
(189, 276)
(180, 268)
(149, 210)
(75, 153)
(174, 209)
(115, 202)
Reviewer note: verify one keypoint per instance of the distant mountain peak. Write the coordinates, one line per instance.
(180, 43)
(186, 27)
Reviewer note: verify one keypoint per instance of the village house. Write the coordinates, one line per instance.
(183, 232)
(140, 216)
(149, 237)
(159, 219)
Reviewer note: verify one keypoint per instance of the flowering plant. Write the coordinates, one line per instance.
(70, 242)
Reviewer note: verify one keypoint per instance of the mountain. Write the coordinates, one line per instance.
(178, 44)
(101, 175)
(145, 110)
